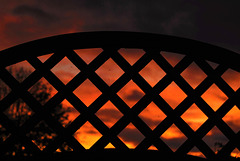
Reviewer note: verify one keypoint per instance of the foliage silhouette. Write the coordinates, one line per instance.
(19, 112)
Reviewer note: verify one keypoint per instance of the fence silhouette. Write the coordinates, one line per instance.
(110, 43)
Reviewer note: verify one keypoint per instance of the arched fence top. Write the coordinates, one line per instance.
(120, 40)
(24, 135)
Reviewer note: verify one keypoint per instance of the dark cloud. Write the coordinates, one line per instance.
(215, 21)
(87, 131)
(151, 122)
(174, 143)
(91, 131)
(214, 139)
(218, 23)
(135, 95)
(135, 137)
(131, 135)
(166, 17)
(109, 115)
(33, 11)
(148, 16)
(26, 22)
(234, 125)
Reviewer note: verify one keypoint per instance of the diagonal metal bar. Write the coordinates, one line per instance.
(18, 132)
(99, 83)
(54, 101)
(124, 61)
(109, 93)
(212, 117)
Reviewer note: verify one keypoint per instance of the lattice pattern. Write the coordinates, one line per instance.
(41, 113)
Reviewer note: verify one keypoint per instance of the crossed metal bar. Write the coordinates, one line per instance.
(109, 93)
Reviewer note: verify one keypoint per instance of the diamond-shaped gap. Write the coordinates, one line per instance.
(152, 147)
(109, 114)
(130, 93)
(172, 58)
(87, 135)
(88, 54)
(194, 75)
(42, 91)
(131, 55)
(152, 73)
(4, 134)
(109, 146)
(65, 113)
(64, 148)
(20, 71)
(235, 153)
(152, 115)
(19, 112)
(131, 136)
(109, 71)
(232, 77)
(173, 95)
(41, 135)
(4, 89)
(43, 58)
(214, 97)
(212, 64)
(194, 117)
(65, 70)
(232, 118)
(196, 152)
(87, 92)
(173, 137)
(215, 139)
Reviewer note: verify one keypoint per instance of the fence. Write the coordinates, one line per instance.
(110, 43)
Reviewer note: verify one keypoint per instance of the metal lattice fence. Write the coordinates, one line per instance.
(110, 43)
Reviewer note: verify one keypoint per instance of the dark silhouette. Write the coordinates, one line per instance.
(38, 135)
(19, 112)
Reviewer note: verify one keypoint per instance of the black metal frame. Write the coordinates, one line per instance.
(110, 42)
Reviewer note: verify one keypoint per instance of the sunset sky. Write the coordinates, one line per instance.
(87, 92)
(216, 22)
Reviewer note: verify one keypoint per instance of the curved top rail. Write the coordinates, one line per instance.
(154, 46)
(119, 40)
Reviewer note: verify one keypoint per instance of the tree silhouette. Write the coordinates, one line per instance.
(19, 112)
(218, 146)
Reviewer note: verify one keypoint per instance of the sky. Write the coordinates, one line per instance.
(216, 22)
